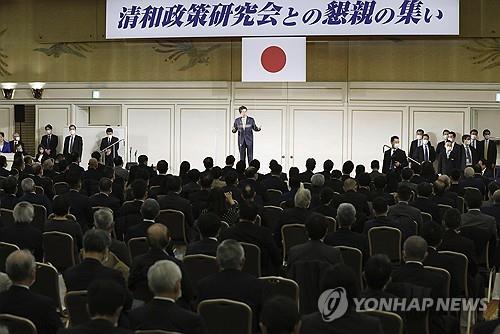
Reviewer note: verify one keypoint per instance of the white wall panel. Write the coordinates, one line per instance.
(372, 128)
(58, 117)
(433, 120)
(488, 118)
(7, 120)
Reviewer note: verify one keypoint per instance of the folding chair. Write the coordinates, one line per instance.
(59, 250)
(353, 258)
(442, 209)
(332, 224)
(252, 259)
(461, 204)
(47, 283)
(137, 246)
(40, 216)
(7, 217)
(271, 216)
(175, 222)
(292, 235)
(385, 240)
(39, 190)
(273, 197)
(280, 286)
(392, 323)
(464, 267)
(17, 325)
(154, 191)
(444, 273)
(5, 250)
(199, 266)
(76, 304)
(61, 188)
(426, 217)
(224, 316)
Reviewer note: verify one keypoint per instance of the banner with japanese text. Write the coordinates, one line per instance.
(245, 18)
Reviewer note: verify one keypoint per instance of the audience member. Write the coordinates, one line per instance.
(61, 221)
(103, 220)
(8, 199)
(150, 210)
(280, 315)
(104, 198)
(208, 224)
(424, 203)
(29, 195)
(377, 276)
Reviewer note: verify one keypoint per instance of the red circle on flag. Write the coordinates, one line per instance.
(273, 59)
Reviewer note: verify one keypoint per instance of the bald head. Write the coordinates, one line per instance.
(158, 236)
(350, 184)
(415, 249)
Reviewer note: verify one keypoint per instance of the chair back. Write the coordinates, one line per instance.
(76, 304)
(59, 250)
(5, 250)
(252, 259)
(271, 216)
(332, 224)
(155, 331)
(40, 216)
(307, 185)
(464, 268)
(199, 266)
(273, 197)
(391, 322)
(445, 274)
(292, 235)
(7, 217)
(39, 190)
(224, 316)
(154, 191)
(481, 239)
(353, 258)
(223, 226)
(47, 283)
(461, 204)
(385, 240)
(426, 217)
(137, 246)
(280, 286)
(61, 188)
(17, 325)
(175, 222)
(442, 210)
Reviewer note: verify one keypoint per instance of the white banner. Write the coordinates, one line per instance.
(246, 18)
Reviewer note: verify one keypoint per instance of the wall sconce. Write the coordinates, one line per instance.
(8, 90)
(37, 89)
(498, 97)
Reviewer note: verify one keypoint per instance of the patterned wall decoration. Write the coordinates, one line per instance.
(486, 52)
(3, 58)
(59, 49)
(194, 54)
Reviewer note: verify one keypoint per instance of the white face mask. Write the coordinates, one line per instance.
(110, 136)
(486, 137)
(467, 142)
(49, 132)
(419, 137)
(395, 145)
(72, 132)
(473, 137)
(17, 138)
(425, 141)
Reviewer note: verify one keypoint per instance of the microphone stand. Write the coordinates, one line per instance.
(106, 148)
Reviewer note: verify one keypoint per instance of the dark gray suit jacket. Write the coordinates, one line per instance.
(314, 250)
(245, 134)
(477, 219)
(404, 209)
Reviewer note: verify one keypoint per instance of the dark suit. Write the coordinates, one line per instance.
(167, 316)
(158, 180)
(138, 230)
(450, 264)
(34, 198)
(305, 177)
(473, 156)
(494, 211)
(80, 208)
(260, 236)
(420, 154)
(105, 200)
(66, 226)
(47, 185)
(96, 326)
(455, 242)
(234, 285)
(77, 146)
(13, 145)
(474, 182)
(404, 209)
(414, 273)
(138, 279)
(314, 250)
(290, 216)
(105, 142)
(275, 182)
(448, 162)
(477, 219)
(175, 202)
(204, 246)
(39, 309)
(440, 148)
(8, 201)
(491, 155)
(359, 200)
(50, 144)
(245, 136)
(346, 237)
(391, 158)
(486, 327)
(414, 145)
(425, 204)
(24, 236)
(133, 171)
(378, 222)
(350, 323)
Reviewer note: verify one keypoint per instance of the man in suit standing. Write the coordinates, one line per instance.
(111, 152)
(449, 159)
(20, 301)
(73, 144)
(488, 150)
(315, 249)
(162, 313)
(441, 145)
(245, 126)
(425, 152)
(468, 154)
(394, 158)
(16, 145)
(474, 140)
(49, 142)
(104, 304)
(418, 142)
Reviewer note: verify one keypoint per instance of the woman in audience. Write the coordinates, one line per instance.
(41, 156)
(223, 205)
(4, 145)
(60, 221)
(428, 173)
(240, 169)
(183, 172)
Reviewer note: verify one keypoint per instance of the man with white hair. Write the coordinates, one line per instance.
(19, 300)
(470, 181)
(317, 183)
(296, 215)
(346, 217)
(103, 220)
(22, 233)
(29, 195)
(230, 282)
(164, 280)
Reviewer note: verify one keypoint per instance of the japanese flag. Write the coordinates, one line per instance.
(281, 59)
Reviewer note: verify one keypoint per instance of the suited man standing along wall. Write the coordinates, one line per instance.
(425, 152)
(245, 126)
(73, 144)
(418, 142)
(111, 152)
(488, 149)
(49, 142)
(395, 158)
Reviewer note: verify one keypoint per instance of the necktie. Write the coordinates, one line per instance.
(419, 142)
(474, 143)
(71, 145)
(486, 142)
(109, 141)
(426, 154)
(468, 155)
(48, 141)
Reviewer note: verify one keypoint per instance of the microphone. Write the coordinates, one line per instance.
(383, 148)
(130, 153)
(414, 161)
(135, 156)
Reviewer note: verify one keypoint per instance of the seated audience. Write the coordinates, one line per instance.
(380, 209)
(105, 301)
(192, 185)
(208, 224)
(103, 220)
(8, 198)
(296, 215)
(375, 166)
(20, 301)
(223, 205)
(29, 195)
(352, 322)
(305, 177)
(199, 198)
(60, 221)
(315, 249)
(162, 313)
(475, 218)
(274, 180)
(22, 233)
(377, 274)
(424, 203)
(493, 209)
(120, 171)
(469, 181)
(150, 210)
(402, 208)
(317, 183)
(231, 179)
(289, 196)
(162, 169)
(280, 315)
(173, 200)
(326, 206)
(104, 198)
(78, 203)
(359, 200)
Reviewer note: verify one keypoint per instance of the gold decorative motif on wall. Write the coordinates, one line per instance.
(59, 49)
(194, 53)
(487, 52)
(3, 58)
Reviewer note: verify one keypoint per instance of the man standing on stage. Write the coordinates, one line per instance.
(110, 153)
(245, 126)
(73, 144)
(394, 159)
